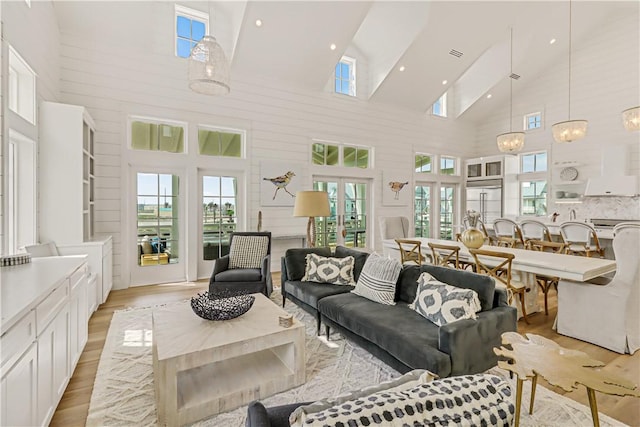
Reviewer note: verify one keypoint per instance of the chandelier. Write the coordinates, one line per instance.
(569, 130)
(208, 68)
(631, 119)
(510, 142)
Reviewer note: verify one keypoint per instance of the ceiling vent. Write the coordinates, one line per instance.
(514, 76)
(455, 53)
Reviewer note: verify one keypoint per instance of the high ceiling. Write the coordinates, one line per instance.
(292, 45)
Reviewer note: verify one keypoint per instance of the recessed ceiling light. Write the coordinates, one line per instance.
(333, 46)
(258, 23)
(489, 96)
(552, 41)
(444, 82)
(402, 68)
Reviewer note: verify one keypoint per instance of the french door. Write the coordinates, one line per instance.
(448, 208)
(422, 210)
(219, 216)
(435, 210)
(349, 204)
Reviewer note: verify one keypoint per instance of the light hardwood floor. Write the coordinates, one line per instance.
(73, 408)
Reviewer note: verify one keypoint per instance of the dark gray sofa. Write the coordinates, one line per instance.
(307, 294)
(396, 334)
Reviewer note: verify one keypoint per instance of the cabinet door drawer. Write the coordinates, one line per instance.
(17, 339)
(48, 308)
(77, 276)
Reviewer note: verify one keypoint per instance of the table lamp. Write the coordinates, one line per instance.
(311, 204)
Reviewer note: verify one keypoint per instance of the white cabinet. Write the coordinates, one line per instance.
(66, 173)
(18, 391)
(79, 320)
(490, 167)
(100, 258)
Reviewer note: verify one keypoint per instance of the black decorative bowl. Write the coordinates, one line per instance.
(221, 306)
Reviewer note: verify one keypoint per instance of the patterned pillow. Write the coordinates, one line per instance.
(336, 271)
(471, 400)
(248, 251)
(442, 303)
(378, 278)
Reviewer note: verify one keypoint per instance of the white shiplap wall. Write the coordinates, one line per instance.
(113, 81)
(605, 81)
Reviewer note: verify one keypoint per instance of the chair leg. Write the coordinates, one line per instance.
(284, 299)
(524, 310)
(318, 323)
(327, 331)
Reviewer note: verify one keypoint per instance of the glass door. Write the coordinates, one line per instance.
(348, 202)
(447, 211)
(422, 210)
(218, 217)
(158, 224)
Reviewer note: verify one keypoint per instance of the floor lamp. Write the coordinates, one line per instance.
(311, 204)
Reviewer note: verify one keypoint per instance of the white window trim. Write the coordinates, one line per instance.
(352, 76)
(191, 14)
(157, 121)
(444, 107)
(341, 146)
(25, 83)
(539, 177)
(432, 171)
(525, 121)
(456, 164)
(527, 174)
(241, 132)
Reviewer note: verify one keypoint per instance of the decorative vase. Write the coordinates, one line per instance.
(472, 237)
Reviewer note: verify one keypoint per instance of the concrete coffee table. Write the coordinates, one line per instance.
(203, 367)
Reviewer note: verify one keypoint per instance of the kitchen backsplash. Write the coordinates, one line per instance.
(600, 207)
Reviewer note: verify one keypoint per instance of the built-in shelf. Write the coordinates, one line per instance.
(571, 200)
(576, 182)
(566, 164)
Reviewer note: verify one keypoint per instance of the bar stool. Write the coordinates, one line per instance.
(508, 233)
(580, 239)
(534, 230)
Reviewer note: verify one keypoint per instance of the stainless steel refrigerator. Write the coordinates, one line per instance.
(485, 196)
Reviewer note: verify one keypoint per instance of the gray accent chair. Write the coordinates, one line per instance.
(246, 280)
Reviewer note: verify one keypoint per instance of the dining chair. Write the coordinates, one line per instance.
(534, 230)
(394, 227)
(580, 239)
(410, 251)
(546, 282)
(498, 265)
(508, 233)
(445, 255)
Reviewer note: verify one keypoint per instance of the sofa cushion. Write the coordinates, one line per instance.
(248, 251)
(311, 292)
(409, 380)
(295, 260)
(331, 270)
(441, 303)
(396, 329)
(462, 401)
(482, 284)
(359, 256)
(239, 275)
(378, 279)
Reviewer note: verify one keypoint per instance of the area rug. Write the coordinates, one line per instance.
(123, 392)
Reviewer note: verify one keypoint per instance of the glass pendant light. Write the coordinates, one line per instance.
(208, 68)
(510, 142)
(631, 119)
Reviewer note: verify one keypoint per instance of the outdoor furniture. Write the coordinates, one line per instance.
(498, 266)
(252, 279)
(580, 239)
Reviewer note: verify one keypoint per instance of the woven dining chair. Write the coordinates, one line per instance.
(534, 230)
(498, 265)
(445, 255)
(580, 239)
(508, 233)
(410, 251)
(546, 282)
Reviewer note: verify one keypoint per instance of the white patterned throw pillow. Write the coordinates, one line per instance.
(336, 271)
(442, 303)
(248, 251)
(377, 281)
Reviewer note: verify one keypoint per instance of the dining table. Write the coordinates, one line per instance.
(525, 265)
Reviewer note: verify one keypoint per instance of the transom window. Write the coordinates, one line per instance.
(157, 136)
(332, 154)
(423, 164)
(218, 142)
(447, 165)
(345, 77)
(533, 121)
(191, 26)
(22, 87)
(534, 162)
(439, 107)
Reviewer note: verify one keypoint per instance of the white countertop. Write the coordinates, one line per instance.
(23, 287)
(554, 228)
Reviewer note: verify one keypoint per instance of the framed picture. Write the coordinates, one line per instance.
(279, 182)
(396, 189)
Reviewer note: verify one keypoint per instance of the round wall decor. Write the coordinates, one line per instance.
(569, 174)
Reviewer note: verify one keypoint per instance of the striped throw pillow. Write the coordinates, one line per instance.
(377, 281)
(248, 251)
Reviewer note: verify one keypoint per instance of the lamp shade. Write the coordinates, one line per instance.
(511, 142)
(631, 119)
(311, 204)
(569, 131)
(208, 68)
